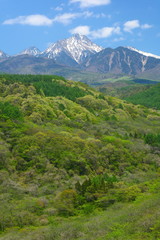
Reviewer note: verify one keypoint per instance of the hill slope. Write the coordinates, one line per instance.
(149, 97)
(71, 156)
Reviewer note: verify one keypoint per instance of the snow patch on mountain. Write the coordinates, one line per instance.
(144, 53)
(3, 55)
(32, 51)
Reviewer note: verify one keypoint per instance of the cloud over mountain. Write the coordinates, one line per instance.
(99, 33)
(91, 3)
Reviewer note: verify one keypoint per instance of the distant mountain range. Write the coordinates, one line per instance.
(78, 53)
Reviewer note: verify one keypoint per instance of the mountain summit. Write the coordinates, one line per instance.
(76, 49)
(3, 55)
(32, 51)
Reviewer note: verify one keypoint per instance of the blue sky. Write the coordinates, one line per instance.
(109, 23)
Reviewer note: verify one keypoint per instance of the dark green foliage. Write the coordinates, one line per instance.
(149, 98)
(27, 79)
(98, 183)
(53, 89)
(152, 139)
(123, 88)
(48, 85)
(138, 91)
(9, 111)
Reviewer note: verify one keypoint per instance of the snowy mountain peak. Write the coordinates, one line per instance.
(33, 51)
(3, 55)
(78, 47)
(144, 53)
(79, 36)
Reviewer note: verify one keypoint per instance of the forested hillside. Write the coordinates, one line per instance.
(136, 92)
(76, 164)
(149, 98)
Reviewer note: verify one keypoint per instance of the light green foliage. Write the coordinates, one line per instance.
(127, 193)
(4, 154)
(66, 202)
(74, 163)
(91, 103)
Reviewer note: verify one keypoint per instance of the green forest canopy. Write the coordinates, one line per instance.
(71, 156)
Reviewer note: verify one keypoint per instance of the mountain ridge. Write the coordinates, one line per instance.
(121, 60)
(81, 54)
(33, 50)
(143, 53)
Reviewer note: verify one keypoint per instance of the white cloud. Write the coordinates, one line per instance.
(66, 18)
(87, 14)
(130, 25)
(33, 20)
(58, 8)
(83, 30)
(101, 15)
(99, 33)
(146, 26)
(105, 32)
(118, 39)
(41, 20)
(91, 3)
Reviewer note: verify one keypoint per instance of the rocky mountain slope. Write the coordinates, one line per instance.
(121, 60)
